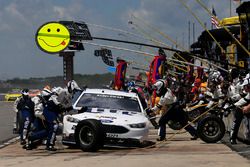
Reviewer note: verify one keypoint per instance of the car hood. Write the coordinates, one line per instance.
(112, 116)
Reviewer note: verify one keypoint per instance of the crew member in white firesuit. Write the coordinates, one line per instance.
(25, 107)
(235, 90)
(174, 111)
(59, 102)
(238, 112)
(40, 101)
(214, 90)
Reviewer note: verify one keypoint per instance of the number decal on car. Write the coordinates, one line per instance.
(112, 135)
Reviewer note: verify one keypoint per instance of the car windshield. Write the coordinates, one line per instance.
(109, 101)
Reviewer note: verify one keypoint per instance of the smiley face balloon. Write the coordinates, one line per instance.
(52, 37)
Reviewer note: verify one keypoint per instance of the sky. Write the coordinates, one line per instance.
(20, 19)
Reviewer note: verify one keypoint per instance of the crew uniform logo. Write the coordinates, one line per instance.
(52, 37)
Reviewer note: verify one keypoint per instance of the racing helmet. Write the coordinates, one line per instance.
(242, 75)
(161, 87)
(246, 82)
(72, 86)
(234, 73)
(57, 90)
(25, 92)
(131, 85)
(118, 59)
(161, 52)
(215, 77)
(45, 92)
(47, 87)
(197, 82)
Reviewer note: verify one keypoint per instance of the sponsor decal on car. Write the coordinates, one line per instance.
(112, 135)
(106, 117)
(110, 96)
(106, 121)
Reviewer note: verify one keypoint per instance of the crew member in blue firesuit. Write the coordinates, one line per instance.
(39, 131)
(59, 102)
(25, 107)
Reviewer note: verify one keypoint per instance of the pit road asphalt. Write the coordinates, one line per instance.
(179, 151)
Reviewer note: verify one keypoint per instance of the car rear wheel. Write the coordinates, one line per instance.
(89, 135)
(211, 129)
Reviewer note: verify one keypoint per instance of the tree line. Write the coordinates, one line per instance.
(91, 81)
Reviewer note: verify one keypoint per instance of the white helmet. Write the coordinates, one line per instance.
(215, 76)
(72, 85)
(57, 90)
(45, 92)
(160, 86)
(246, 82)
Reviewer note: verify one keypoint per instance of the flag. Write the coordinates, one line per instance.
(214, 19)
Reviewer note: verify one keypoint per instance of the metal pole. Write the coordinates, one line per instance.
(189, 36)
(68, 65)
(193, 32)
(230, 8)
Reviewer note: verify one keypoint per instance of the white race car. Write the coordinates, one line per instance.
(105, 116)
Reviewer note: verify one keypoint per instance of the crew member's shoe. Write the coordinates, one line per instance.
(23, 142)
(161, 138)
(51, 148)
(233, 141)
(29, 146)
(195, 137)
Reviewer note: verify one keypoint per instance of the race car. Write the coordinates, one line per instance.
(12, 95)
(105, 117)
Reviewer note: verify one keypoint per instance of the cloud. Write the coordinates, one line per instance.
(13, 12)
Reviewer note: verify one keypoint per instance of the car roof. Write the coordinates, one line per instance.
(110, 92)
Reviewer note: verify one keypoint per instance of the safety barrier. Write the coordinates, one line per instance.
(2, 96)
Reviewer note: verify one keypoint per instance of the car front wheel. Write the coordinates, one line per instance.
(89, 135)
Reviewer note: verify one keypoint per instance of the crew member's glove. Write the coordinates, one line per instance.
(69, 108)
(83, 109)
(150, 112)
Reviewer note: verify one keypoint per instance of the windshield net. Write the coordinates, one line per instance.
(109, 102)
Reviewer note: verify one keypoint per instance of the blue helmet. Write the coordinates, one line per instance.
(131, 84)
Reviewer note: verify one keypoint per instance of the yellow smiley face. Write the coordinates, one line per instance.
(52, 37)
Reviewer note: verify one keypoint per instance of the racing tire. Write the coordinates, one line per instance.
(211, 129)
(89, 135)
